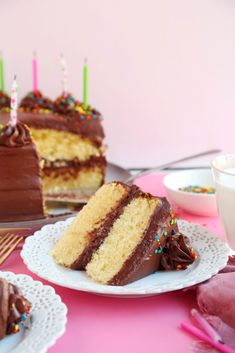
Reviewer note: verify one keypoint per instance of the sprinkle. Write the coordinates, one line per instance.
(16, 329)
(179, 267)
(23, 316)
(156, 237)
(165, 233)
(173, 232)
(158, 251)
(196, 189)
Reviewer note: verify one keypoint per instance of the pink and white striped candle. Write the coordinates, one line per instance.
(14, 96)
(64, 79)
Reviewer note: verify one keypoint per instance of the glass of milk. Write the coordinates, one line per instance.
(224, 174)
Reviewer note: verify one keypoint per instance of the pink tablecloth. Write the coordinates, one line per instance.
(113, 325)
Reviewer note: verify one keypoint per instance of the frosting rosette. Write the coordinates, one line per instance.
(15, 136)
(177, 255)
(14, 309)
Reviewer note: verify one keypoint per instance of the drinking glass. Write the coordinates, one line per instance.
(224, 174)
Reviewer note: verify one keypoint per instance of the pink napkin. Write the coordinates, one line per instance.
(216, 299)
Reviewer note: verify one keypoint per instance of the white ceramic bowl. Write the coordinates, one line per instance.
(199, 204)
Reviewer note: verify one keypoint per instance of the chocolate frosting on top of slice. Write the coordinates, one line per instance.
(15, 136)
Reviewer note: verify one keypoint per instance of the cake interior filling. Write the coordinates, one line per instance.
(92, 216)
(125, 235)
(65, 179)
(63, 145)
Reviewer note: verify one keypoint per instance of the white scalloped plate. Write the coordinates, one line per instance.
(212, 257)
(48, 316)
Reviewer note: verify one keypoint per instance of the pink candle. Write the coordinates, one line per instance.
(35, 73)
(13, 113)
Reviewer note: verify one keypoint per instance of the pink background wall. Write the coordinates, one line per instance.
(161, 72)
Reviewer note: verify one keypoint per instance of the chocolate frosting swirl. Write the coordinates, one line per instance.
(34, 101)
(14, 308)
(15, 136)
(177, 254)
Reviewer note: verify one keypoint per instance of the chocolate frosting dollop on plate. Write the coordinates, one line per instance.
(177, 254)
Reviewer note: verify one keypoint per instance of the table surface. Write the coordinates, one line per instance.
(115, 325)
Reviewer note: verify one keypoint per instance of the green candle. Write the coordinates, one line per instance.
(2, 86)
(85, 85)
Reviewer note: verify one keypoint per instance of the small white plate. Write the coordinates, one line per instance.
(212, 257)
(48, 315)
(195, 203)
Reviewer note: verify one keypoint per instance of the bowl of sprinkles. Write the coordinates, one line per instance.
(193, 190)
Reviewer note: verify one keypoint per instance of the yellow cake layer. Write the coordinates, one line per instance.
(83, 178)
(124, 236)
(63, 145)
(91, 217)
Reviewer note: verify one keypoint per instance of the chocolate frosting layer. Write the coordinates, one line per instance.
(177, 254)
(14, 308)
(15, 136)
(91, 129)
(20, 187)
(35, 101)
(93, 161)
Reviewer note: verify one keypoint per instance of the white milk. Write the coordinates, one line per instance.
(225, 194)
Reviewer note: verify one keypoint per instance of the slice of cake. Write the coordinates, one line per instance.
(20, 184)
(14, 309)
(121, 235)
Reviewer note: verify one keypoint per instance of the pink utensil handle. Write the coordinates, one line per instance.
(202, 336)
(206, 326)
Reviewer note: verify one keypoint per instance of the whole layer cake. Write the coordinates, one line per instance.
(20, 184)
(121, 235)
(14, 309)
(69, 140)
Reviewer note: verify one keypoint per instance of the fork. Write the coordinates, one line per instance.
(8, 243)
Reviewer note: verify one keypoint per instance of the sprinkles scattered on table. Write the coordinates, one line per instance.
(198, 189)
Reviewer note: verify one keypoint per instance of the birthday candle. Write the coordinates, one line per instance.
(64, 79)
(13, 114)
(85, 84)
(35, 73)
(2, 84)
